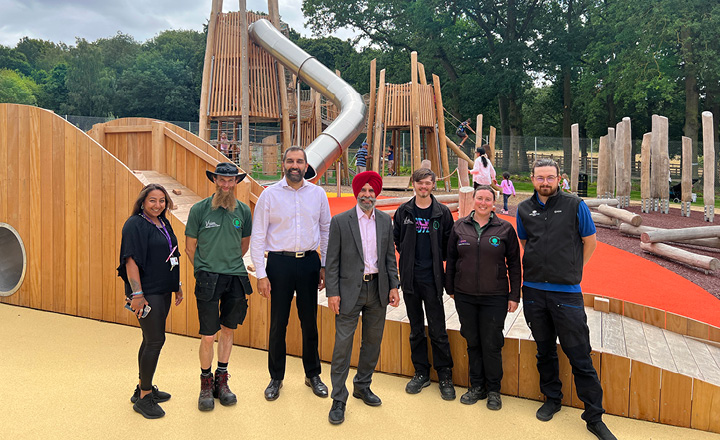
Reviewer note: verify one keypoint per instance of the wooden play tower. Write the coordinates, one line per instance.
(243, 84)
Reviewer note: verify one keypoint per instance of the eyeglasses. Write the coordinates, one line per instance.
(548, 179)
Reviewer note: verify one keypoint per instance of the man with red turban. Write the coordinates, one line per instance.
(360, 276)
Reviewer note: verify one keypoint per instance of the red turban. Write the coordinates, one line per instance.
(370, 177)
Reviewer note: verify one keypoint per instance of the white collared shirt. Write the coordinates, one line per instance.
(289, 220)
(368, 235)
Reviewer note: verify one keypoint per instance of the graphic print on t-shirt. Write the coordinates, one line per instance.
(423, 250)
(422, 225)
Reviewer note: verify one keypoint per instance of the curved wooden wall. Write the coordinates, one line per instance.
(68, 198)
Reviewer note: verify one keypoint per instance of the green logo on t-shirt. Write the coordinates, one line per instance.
(236, 223)
(495, 241)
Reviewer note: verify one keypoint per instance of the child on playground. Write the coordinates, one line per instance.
(462, 131)
(565, 183)
(508, 189)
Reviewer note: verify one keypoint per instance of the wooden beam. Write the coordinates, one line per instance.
(274, 12)
(441, 130)
(575, 168)
(478, 133)
(621, 214)
(109, 129)
(379, 118)
(645, 177)
(371, 108)
(708, 166)
(190, 147)
(204, 130)
(415, 111)
(245, 89)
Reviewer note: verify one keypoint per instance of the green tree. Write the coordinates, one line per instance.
(16, 88)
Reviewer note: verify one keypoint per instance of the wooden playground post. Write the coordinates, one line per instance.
(274, 13)
(660, 169)
(603, 175)
(204, 129)
(379, 117)
(645, 157)
(415, 111)
(575, 168)
(478, 133)
(686, 200)
(441, 131)
(371, 110)
(623, 162)
(611, 162)
(245, 88)
(491, 144)
(708, 166)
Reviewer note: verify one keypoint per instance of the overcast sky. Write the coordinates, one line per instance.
(64, 20)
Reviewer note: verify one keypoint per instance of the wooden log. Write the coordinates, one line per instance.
(465, 201)
(686, 182)
(575, 168)
(645, 157)
(460, 153)
(245, 164)
(660, 161)
(638, 230)
(478, 133)
(379, 120)
(611, 161)
(415, 111)
(621, 214)
(371, 108)
(603, 177)
(463, 173)
(204, 129)
(623, 162)
(594, 203)
(602, 219)
(680, 234)
(491, 144)
(708, 166)
(683, 256)
(445, 164)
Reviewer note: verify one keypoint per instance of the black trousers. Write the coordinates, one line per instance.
(442, 359)
(288, 275)
(552, 315)
(153, 332)
(482, 319)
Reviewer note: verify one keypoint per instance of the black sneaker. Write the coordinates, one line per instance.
(417, 383)
(601, 431)
(148, 407)
(159, 396)
(548, 410)
(473, 395)
(447, 390)
(222, 391)
(206, 401)
(494, 402)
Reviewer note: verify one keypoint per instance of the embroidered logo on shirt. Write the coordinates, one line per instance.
(494, 241)
(236, 223)
(534, 213)
(422, 225)
(557, 211)
(408, 221)
(436, 225)
(210, 224)
(463, 242)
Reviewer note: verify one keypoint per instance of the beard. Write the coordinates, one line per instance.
(366, 203)
(294, 175)
(546, 190)
(224, 199)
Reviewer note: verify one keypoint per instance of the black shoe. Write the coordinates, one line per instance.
(447, 390)
(150, 409)
(221, 390)
(547, 410)
(159, 396)
(494, 402)
(206, 401)
(601, 431)
(417, 383)
(337, 412)
(473, 395)
(272, 392)
(317, 386)
(367, 396)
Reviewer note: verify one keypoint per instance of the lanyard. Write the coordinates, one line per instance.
(163, 230)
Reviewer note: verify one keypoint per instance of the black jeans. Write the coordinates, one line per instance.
(442, 359)
(552, 315)
(153, 332)
(289, 275)
(482, 319)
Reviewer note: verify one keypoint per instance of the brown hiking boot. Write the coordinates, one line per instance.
(206, 402)
(221, 389)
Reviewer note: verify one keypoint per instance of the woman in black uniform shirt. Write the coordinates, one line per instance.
(149, 267)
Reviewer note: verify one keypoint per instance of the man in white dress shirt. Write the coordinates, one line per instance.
(291, 221)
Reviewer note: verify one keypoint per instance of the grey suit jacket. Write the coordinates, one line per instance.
(344, 265)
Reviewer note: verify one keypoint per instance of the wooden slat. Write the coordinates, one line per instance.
(328, 340)
(675, 399)
(391, 348)
(95, 237)
(128, 129)
(293, 339)
(82, 185)
(704, 360)
(635, 342)
(698, 329)
(46, 227)
(110, 252)
(511, 367)
(529, 378)
(3, 162)
(13, 177)
(676, 323)
(615, 381)
(644, 392)
(655, 317)
(596, 358)
(681, 354)
(406, 362)
(634, 311)
(34, 247)
(616, 306)
(122, 210)
(659, 350)
(458, 350)
(71, 276)
(23, 207)
(706, 404)
(58, 207)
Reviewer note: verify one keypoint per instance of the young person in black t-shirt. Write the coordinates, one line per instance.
(421, 230)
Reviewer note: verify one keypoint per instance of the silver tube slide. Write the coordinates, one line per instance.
(328, 146)
(13, 260)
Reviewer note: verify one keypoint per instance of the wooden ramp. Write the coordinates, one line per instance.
(654, 365)
(183, 202)
(399, 183)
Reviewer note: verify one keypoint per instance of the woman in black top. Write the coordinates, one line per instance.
(149, 266)
(483, 277)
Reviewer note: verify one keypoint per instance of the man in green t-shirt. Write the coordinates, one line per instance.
(217, 236)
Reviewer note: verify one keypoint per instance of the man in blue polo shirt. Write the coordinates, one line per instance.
(361, 158)
(558, 235)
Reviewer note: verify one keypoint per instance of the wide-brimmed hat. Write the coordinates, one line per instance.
(226, 169)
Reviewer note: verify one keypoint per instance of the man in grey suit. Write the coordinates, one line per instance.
(360, 276)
